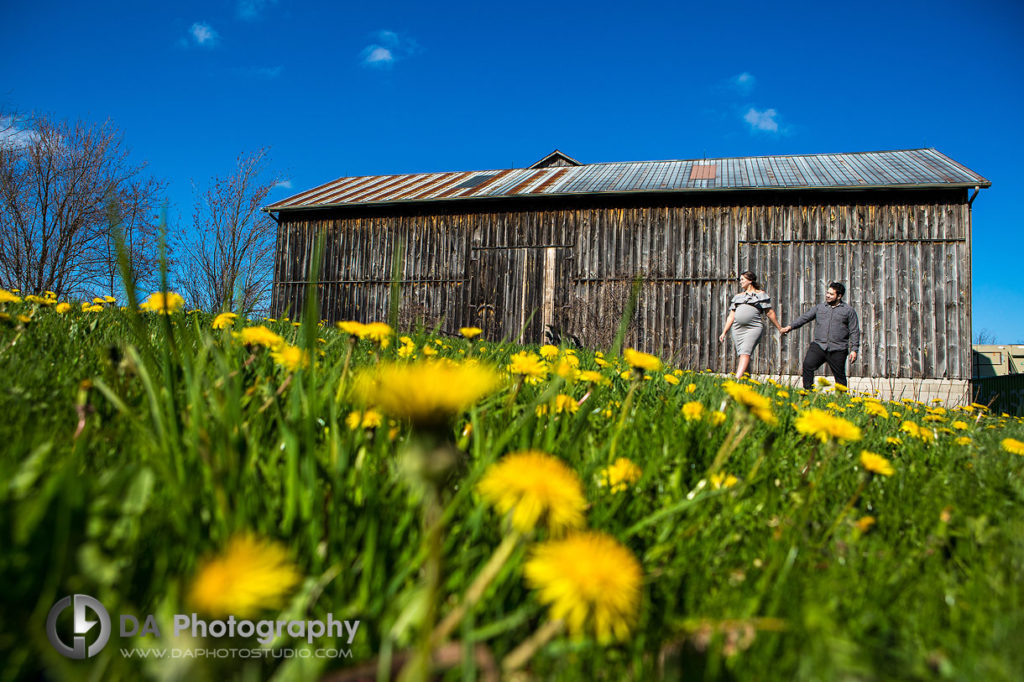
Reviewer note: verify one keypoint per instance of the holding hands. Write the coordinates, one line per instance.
(785, 330)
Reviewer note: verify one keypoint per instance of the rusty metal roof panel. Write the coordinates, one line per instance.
(889, 169)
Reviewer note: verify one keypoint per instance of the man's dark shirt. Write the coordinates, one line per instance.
(836, 326)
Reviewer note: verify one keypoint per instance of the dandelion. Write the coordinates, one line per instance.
(822, 381)
(876, 464)
(532, 486)
(370, 419)
(378, 332)
(470, 332)
(690, 388)
(62, 308)
(783, 394)
(593, 377)
(894, 440)
(717, 418)
(249, 576)
(914, 430)
(671, 379)
(641, 361)
(590, 581)
(162, 302)
(1012, 445)
(354, 329)
(620, 475)
(562, 403)
(566, 366)
(407, 349)
(259, 336)
(960, 425)
(224, 320)
(758, 404)
(933, 418)
(864, 523)
(95, 308)
(963, 440)
(427, 393)
(429, 351)
(720, 481)
(693, 410)
(529, 365)
(876, 409)
(548, 351)
(824, 426)
(291, 358)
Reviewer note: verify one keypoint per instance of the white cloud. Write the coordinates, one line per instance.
(252, 9)
(762, 120)
(387, 48)
(743, 82)
(203, 34)
(375, 55)
(12, 135)
(286, 184)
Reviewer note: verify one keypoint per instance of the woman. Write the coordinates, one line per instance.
(745, 319)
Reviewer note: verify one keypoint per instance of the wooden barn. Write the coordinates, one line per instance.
(558, 246)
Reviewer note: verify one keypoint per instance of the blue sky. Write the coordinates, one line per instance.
(362, 88)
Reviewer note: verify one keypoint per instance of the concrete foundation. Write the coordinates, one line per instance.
(951, 392)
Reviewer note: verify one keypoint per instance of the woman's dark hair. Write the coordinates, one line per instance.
(749, 274)
(838, 288)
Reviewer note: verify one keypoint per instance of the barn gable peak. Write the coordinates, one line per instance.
(556, 158)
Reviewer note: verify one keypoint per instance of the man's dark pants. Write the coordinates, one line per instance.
(816, 357)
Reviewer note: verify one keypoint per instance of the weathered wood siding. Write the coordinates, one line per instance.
(513, 267)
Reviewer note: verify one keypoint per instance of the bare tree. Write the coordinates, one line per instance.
(57, 179)
(227, 260)
(984, 337)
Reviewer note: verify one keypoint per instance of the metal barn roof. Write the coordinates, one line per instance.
(911, 168)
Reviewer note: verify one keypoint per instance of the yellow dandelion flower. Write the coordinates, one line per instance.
(671, 379)
(759, 405)
(783, 394)
(429, 351)
(63, 307)
(894, 440)
(717, 418)
(963, 440)
(352, 328)
(593, 377)
(561, 403)
(565, 368)
(370, 419)
(527, 364)
(825, 426)
(590, 581)
(601, 362)
(224, 320)
(548, 351)
(876, 464)
(1012, 445)
(719, 481)
(620, 475)
(471, 332)
(95, 308)
(259, 336)
(427, 393)
(864, 523)
(690, 388)
(876, 409)
(822, 381)
(933, 418)
(960, 425)
(530, 487)
(163, 302)
(291, 358)
(642, 361)
(693, 410)
(249, 576)
(379, 332)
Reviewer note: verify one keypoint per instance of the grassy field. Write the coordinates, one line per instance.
(524, 512)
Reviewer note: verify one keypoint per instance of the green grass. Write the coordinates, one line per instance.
(136, 445)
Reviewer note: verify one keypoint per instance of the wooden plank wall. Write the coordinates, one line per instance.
(904, 257)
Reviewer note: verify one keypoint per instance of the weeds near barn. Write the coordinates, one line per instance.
(769, 534)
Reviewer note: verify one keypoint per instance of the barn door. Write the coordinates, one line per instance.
(517, 293)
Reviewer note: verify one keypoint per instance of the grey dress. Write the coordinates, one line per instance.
(747, 326)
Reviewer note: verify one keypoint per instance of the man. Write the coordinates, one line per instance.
(836, 333)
